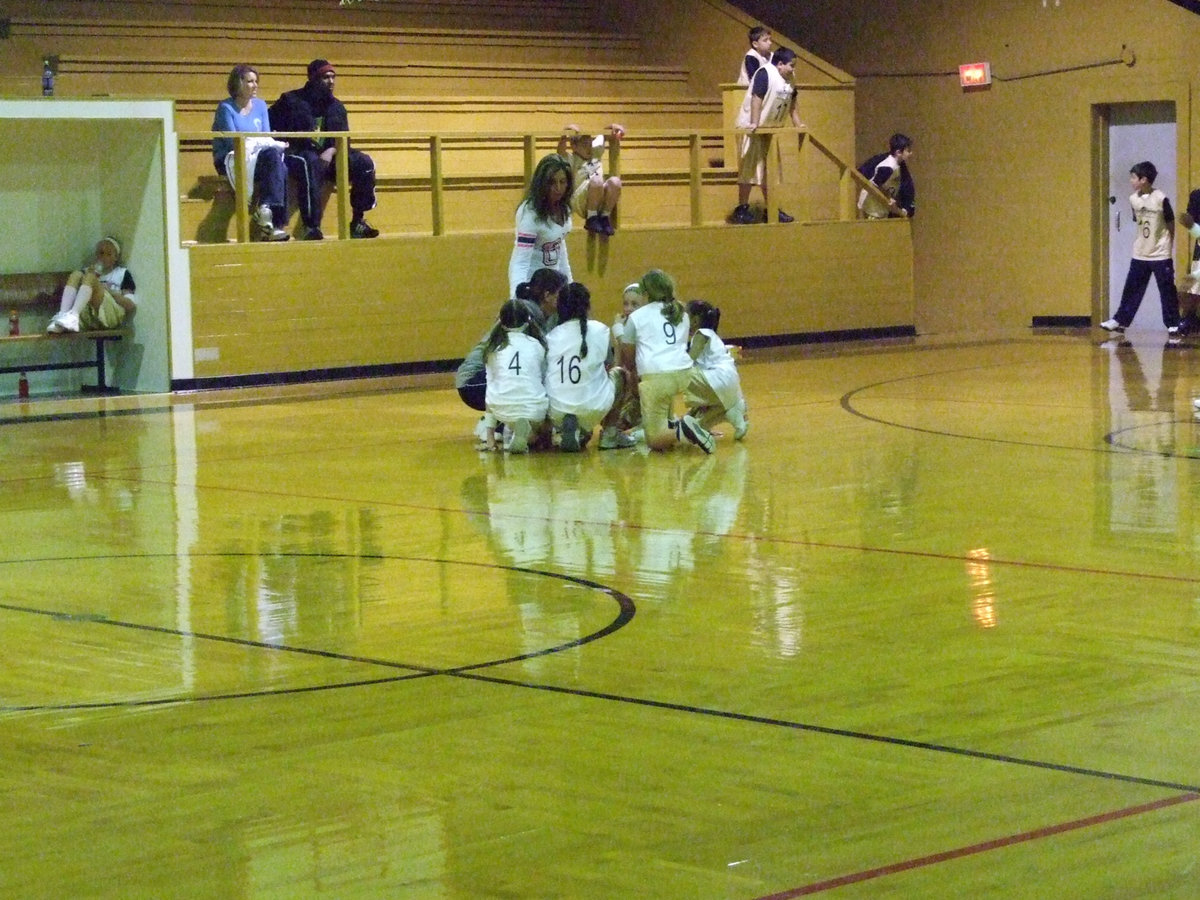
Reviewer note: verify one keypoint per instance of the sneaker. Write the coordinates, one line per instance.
(691, 430)
(1112, 325)
(65, 321)
(519, 442)
(1173, 330)
(740, 431)
(481, 429)
(1196, 404)
(638, 435)
(270, 233)
(742, 215)
(360, 229)
(612, 439)
(570, 434)
(312, 234)
(595, 225)
(785, 218)
(607, 225)
(262, 217)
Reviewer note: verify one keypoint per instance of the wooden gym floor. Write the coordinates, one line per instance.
(932, 630)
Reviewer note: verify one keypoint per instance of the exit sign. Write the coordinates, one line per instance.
(975, 74)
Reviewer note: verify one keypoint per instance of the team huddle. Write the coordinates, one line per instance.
(547, 374)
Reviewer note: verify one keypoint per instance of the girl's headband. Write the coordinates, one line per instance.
(113, 241)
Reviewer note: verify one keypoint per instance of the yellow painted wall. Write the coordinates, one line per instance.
(262, 308)
(1006, 205)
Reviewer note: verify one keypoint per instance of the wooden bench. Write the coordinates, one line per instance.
(39, 292)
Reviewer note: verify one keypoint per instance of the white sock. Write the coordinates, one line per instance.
(82, 298)
(592, 214)
(737, 416)
(68, 298)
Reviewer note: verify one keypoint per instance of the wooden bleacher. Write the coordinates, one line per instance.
(485, 77)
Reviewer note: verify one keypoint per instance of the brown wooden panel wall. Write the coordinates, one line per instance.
(263, 309)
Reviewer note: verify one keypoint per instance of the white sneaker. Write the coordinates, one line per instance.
(1173, 330)
(55, 326)
(1112, 325)
(613, 439)
(481, 428)
(1196, 404)
(68, 321)
(693, 431)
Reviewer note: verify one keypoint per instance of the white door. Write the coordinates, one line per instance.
(1137, 131)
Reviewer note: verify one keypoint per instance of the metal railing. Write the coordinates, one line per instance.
(849, 181)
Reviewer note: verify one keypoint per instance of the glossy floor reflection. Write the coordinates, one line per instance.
(932, 630)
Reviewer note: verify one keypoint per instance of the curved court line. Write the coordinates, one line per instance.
(1112, 440)
(846, 402)
(626, 609)
(908, 865)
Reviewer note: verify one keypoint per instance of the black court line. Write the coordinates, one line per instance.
(847, 403)
(1114, 438)
(626, 610)
(836, 732)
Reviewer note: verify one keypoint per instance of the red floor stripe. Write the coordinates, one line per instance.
(909, 864)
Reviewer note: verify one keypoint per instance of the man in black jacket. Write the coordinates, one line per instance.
(311, 161)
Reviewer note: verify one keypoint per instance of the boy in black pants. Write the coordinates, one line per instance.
(1152, 252)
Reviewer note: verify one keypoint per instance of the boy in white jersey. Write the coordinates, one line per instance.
(770, 100)
(757, 56)
(889, 173)
(1152, 252)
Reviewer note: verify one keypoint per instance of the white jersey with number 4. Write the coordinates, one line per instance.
(516, 380)
(578, 384)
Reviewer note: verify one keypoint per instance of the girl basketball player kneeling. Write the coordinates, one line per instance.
(515, 359)
(655, 339)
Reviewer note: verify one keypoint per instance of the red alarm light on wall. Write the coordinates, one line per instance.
(973, 75)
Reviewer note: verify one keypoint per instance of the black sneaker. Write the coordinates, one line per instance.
(785, 218)
(742, 215)
(693, 431)
(360, 229)
(312, 234)
(570, 434)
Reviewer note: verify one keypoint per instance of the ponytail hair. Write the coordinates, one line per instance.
(575, 303)
(514, 316)
(704, 314)
(659, 287)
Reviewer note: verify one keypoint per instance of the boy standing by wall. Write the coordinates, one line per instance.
(1152, 252)
(770, 102)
